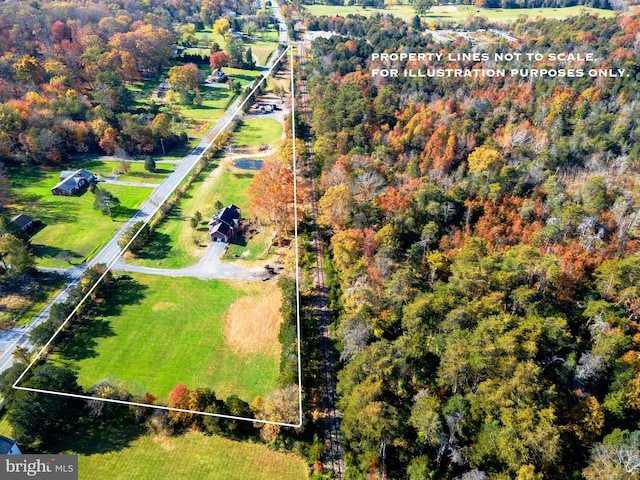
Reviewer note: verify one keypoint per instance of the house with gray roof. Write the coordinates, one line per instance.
(73, 182)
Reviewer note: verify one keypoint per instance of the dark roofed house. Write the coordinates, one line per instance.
(73, 182)
(8, 447)
(24, 222)
(80, 173)
(221, 232)
(225, 224)
(218, 76)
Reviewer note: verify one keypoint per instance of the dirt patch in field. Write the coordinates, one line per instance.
(14, 302)
(162, 306)
(253, 322)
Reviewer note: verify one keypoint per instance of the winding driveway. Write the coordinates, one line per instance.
(208, 267)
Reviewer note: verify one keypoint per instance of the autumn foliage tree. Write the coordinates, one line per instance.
(219, 60)
(271, 194)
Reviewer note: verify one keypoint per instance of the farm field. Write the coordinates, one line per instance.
(74, 230)
(182, 330)
(457, 13)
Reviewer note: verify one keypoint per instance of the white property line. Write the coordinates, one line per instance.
(123, 249)
(295, 231)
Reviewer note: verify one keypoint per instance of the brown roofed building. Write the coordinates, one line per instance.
(225, 224)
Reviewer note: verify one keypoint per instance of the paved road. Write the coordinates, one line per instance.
(282, 27)
(111, 252)
(19, 337)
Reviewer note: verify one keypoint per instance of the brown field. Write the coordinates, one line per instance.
(252, 323)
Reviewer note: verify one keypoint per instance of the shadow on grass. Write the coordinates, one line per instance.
(161, 171)
(25, 176)
(89, 164)
(123, 213)
(128, 292)
(246, 78)
(82, 342)
(48, 251)
(240, 241)
(216, 94)
(92, 436)
(158, 248)
(243, 175)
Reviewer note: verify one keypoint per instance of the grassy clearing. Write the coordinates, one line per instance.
(168, 331)
(457, 13)
(192, 456)
(253, 249)
(73, 228)
(257, 131)
(137, 173)
(174, 242)
(5, 428)
(178, 153)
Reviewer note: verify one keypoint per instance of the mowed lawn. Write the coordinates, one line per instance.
(193, 456)
(137, 172)
(73, 228)
(459, 12)
(257, 131)
(174, 241)
(169, 331)
(126, 454)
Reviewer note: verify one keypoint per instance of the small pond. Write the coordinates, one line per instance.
(248, 164)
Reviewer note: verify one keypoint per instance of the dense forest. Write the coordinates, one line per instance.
(484, 255)
(608, 4)
(65, 69)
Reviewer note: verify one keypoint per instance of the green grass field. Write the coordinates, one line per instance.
(129, 453)
(137, 173)
(5, 428)
(193, 456)
(456, 13)
(168, 331)
(73, 227)
(173, 244)
(257, 131)
(254, 249)
(262, 46)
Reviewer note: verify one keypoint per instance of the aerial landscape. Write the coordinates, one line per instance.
(260, 239)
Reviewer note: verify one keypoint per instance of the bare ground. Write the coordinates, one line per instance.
(252, 323)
